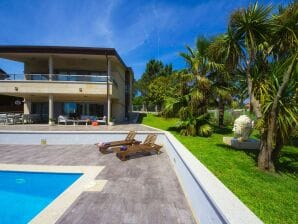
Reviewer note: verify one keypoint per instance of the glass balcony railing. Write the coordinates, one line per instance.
(59, 77)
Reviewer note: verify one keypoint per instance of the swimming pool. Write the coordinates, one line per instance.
(24, 194)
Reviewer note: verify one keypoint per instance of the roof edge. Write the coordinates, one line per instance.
(62, 50)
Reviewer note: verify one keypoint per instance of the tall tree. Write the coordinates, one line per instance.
(196, 88)
(158, 91)
(267, 41)
(224, 50)
(154, 69)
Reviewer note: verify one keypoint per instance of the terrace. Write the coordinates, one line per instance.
(173, 187)
(137, 191)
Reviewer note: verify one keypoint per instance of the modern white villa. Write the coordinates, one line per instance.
(71, 81)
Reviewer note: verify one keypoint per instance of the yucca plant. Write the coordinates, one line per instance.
(267, 41)
(283, 112)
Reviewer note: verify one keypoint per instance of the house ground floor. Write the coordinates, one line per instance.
(75, 107)
(47, 108)
(10, 104)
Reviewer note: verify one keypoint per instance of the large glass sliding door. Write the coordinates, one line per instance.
(40, 111)
(73, 109)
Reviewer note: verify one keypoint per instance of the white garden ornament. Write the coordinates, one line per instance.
(243, 127)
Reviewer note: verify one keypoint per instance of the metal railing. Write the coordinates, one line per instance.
(60, 77)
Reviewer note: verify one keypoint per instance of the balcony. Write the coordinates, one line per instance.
(39, 84)
(59, 77)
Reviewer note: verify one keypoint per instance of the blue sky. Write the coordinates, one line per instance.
(139, 30)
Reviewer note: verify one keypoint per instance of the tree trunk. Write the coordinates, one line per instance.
(254, 103)
(266, 158)
(276, 151)
(265, 161)
(221, 112)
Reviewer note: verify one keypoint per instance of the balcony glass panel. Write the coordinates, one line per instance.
(74, 77)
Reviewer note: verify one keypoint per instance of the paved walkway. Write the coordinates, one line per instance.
(143, 189)
(45, 127)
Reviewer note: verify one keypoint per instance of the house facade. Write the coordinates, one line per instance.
(71, 81)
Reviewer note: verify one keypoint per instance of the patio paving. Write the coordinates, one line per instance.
(45, 127)
(144, 189)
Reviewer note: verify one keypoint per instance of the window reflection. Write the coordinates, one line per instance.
(77, 110)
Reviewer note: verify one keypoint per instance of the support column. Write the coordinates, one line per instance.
(108, 91)
(27, 106)
(51, 110)
(51, 68)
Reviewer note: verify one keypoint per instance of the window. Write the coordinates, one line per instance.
(78, 109)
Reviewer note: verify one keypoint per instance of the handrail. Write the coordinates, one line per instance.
(60, 77)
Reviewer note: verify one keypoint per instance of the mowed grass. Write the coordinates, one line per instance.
(271, 196)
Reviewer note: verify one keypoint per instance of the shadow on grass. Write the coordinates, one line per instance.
(173, 128)
(141, 117)
(288, 162)
(222, 131)
(253, 153)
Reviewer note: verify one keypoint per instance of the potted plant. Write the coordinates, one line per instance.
(112, 121)
(88, 121)
(52, 121)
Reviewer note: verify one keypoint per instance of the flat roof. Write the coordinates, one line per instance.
(62, 50)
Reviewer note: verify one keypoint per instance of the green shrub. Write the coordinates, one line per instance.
(205, 130)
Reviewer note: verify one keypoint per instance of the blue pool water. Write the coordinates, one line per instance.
(24, 194)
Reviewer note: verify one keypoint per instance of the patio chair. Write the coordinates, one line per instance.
(129, 140)
(18, 119)
(64, 119)
(3, 118)
(146, 147)
(10, 119)
(102, 120)
(27, 119)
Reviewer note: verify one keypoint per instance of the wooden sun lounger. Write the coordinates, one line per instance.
(147, 146)
(129, 140)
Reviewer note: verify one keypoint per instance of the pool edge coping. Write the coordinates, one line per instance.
(55, 210)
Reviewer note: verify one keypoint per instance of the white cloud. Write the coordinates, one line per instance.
(103, 26)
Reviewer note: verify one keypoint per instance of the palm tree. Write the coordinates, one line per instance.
(195, 117)
(267, 42)
(191, 106)
(226, 51)
(196, 58)
(287, 116)
(199, 66)
(180, 94)
(252, 27)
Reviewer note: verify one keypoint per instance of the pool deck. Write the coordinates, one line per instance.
(45, 127)
(144, 189)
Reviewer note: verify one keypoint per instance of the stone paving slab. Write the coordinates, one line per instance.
(143, 189)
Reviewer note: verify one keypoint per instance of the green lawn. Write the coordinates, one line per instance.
(272, 197)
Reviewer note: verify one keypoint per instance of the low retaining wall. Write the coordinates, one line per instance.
(210, 201)
(64, 137)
